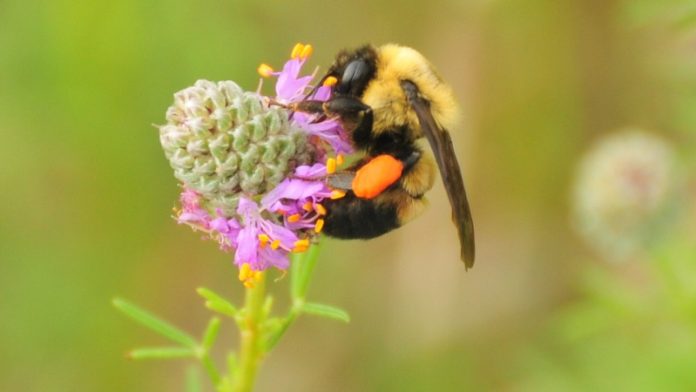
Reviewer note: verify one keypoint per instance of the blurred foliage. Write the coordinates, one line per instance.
(87, 197)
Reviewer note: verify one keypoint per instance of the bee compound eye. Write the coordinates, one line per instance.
(354, 76)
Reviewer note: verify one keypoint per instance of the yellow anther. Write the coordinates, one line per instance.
(339, 159)
(265, 70)
(330, 81)
(337, 194)
(318, 226)
(306, 52)
(245, 272)
(320, 209)
(294, 218)
(297, 50)
(263, 240)
(303, 242)
(331, 166)
(301, 245)
(308, 206)
(248, 276)
(275, 244)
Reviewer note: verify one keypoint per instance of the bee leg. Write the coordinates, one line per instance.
(355, 116)
(309, 106)
(410, 207)
(419, 177)
(411, 160)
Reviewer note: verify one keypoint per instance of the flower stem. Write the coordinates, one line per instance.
(301, 270)
(251, 351)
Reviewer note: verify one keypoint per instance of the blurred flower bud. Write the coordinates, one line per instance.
(624, 185)
(223, 142)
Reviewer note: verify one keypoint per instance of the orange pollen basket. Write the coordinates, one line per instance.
(376, 176)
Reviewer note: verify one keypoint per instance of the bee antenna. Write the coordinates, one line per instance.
(316, 86)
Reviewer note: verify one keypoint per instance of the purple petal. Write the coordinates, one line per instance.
(198, 216)
(286, 236)
(276, 257)
(219, 224)
(323, 93)
(189, 199)
(300, 189)
(288, 85)
(292, 189)
(315, 171)
(247, 246)
(247, 207)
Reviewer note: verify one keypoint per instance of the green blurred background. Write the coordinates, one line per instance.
(87, 196)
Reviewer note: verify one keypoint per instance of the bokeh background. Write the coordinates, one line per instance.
(85, 206)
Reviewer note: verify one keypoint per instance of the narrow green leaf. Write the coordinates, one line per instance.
(193, 380)
(216, 303)
(275, 328)
(211, 333)
(327, 311)
(162, 353)
(277, 332)
(154, 323)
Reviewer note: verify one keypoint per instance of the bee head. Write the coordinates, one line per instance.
(354, 70)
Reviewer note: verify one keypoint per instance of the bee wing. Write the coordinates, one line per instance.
(441, 143)
(342, 180)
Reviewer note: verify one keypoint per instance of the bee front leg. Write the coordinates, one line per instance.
(356, 117)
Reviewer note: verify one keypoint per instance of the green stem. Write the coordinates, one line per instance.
(251, 351)
(301, 270)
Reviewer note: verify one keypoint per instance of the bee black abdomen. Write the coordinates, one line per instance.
(351, 217)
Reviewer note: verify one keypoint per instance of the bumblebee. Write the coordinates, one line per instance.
(387, 98)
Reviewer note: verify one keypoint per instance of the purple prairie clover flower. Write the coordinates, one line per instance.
(328, 131)
(292, 88)
(228, 231)
(299, 198)
(253, 172)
